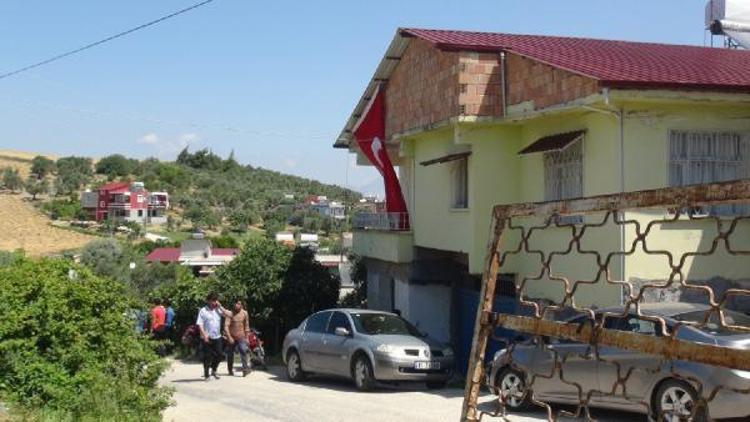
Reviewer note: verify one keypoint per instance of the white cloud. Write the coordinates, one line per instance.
(149, 138)
(290, 163)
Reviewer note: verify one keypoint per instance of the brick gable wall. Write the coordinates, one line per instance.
(544, 85)
(430, 85)
(423, 89)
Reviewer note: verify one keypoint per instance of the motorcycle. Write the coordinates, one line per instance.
(255, 347)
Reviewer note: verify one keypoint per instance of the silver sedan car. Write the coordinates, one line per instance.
(366, 346)
(667, 393)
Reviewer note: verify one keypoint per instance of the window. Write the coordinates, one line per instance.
(338, 319)
(140, 213)
(563, 173)
(707, 157)
(632, 324)
(460, 184)
(317, 323)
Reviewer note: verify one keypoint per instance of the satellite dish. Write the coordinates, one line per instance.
(730, 18)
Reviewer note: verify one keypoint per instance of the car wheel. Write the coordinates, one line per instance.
(511, 387)
(677, 401)
(436, 385)
(362, 374)
(294, 367)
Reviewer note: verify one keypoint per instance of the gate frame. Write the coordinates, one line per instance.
(670, 198)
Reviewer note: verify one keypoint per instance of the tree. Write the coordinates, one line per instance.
(357, 298)
(35, 186)
(69, 350)
(115, 165)
(307, 288)
(105, 257)
(42, 166)
(72, 173)
(256, 274)
(12, 179)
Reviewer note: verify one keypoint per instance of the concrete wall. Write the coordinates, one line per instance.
(435, 223)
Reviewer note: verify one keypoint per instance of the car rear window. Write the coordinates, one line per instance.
(713, 325)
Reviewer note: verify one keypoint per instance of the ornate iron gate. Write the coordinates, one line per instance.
(701, 204)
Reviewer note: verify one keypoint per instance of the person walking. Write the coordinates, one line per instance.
(209, 324)
(158, 327)
(236, 329)
(169, 333)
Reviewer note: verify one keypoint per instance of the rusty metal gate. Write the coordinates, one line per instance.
(717, 205)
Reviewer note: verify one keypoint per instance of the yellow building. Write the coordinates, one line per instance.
(479, 119)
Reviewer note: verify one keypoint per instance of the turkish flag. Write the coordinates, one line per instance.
(370, 135)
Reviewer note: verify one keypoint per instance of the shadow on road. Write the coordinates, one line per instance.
(490, 407)
(343, 384)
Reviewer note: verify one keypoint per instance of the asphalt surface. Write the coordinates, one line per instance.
(268, 396)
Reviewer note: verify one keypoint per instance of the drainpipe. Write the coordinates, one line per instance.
(503, 85)
(619, 114)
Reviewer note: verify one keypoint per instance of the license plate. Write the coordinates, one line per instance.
(426, 365)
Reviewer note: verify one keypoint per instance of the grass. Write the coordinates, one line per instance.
(25, 228)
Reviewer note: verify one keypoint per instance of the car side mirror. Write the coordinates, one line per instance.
(342, 332)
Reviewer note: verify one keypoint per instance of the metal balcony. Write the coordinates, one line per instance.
(385, 221)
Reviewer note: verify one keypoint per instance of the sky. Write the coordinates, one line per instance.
(273, 81)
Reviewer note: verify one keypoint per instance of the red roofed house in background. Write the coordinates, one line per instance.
(476, 119)
(126, 201)
(196, 253)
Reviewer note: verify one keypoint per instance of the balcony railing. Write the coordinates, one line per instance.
(387, 221)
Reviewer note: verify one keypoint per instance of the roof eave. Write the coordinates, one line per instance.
(382, 73)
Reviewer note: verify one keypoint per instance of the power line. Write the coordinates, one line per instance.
(94, 44)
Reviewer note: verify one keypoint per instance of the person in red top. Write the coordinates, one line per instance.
(158, 324)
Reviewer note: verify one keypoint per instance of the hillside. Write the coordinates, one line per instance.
(206, 191)
(23, 227)
(19, 160)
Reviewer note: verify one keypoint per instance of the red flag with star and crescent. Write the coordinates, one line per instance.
(370, 135)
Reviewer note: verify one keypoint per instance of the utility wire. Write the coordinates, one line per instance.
(94, 44)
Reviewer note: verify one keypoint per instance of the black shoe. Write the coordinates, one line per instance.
(231, 373)
(215, 375)
(206, 378)
(245, 372)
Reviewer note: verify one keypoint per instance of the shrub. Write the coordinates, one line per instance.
(69, 351)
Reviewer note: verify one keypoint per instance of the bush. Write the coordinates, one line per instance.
(64, 209)
(68, 350)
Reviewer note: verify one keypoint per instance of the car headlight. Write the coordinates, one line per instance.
(386, 348)
(447, 352)
(741, 374)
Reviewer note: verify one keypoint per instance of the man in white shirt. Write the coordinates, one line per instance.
(209, 324)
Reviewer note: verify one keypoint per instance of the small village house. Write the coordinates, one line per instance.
(197, 253)
(126, 201)
(472, 120)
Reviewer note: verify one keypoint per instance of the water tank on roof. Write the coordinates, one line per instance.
(730, 18)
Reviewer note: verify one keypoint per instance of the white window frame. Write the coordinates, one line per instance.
(460, 184)
(710, 159)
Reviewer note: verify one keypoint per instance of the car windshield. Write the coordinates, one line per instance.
(374, 323)
(713, 325)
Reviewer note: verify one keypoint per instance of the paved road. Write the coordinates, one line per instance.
(268, 396)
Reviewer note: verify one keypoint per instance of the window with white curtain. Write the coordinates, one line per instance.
(697, 157)
(460, 184)
(563, 173)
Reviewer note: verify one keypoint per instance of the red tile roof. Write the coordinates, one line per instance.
(164, 255)
(115, 186)
(225, 251)
(617, 64)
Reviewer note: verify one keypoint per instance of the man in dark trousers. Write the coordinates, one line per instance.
(209, 324)
(237, 328)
